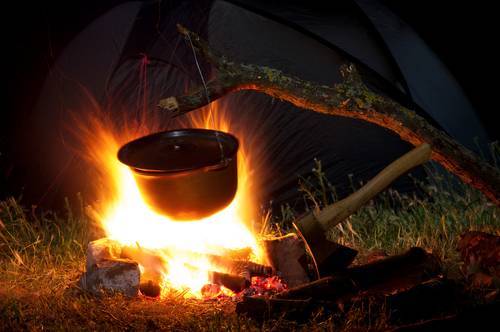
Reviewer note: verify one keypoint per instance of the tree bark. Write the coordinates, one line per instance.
(351, 99)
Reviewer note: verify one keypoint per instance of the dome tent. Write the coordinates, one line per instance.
(310, 41)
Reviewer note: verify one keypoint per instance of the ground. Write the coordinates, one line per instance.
(42, 255)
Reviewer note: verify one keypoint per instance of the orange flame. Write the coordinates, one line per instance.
(183, 246)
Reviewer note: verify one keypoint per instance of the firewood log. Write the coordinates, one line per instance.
(383, 276)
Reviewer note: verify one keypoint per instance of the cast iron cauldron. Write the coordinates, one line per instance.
(186, 174)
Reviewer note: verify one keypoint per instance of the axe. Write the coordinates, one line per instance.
(313, 226)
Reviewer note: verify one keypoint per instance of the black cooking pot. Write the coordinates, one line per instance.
(186, 174)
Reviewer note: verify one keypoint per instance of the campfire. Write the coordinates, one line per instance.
(218, 255)
(151, 253)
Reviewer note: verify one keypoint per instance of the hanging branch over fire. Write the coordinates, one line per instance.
(351, 99)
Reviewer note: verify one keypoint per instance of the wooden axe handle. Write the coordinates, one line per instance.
(337, 212)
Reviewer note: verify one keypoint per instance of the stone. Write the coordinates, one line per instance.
(112, 275)
(100, 250)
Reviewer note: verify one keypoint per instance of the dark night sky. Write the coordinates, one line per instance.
(463, 34)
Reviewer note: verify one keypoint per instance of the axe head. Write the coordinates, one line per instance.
(327, 256)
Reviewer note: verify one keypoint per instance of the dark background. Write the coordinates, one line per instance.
(463, 34)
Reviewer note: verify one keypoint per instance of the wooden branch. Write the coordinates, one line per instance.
(351, 99)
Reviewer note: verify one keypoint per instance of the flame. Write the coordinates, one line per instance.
(184, 247)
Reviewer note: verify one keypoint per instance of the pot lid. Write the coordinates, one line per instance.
(179, 150)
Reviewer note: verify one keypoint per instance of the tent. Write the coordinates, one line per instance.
(309, 39)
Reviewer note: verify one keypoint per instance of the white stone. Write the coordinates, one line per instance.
(100, 250)
(113, 275)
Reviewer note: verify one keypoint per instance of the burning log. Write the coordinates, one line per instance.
(383, 276)
(246, 269)
(151, 258)
(154, 262)
(351, 98)
(232, 274)
(232, 282)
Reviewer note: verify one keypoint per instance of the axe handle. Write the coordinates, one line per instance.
(337, 212)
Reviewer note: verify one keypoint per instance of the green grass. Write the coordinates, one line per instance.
(43, 254)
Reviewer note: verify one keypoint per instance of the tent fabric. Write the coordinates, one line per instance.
(430, 83)
(106, 61)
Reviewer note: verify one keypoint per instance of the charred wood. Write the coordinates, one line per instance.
(232, 282)
(245, 269)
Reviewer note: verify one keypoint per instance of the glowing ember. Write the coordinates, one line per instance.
(184, 248)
